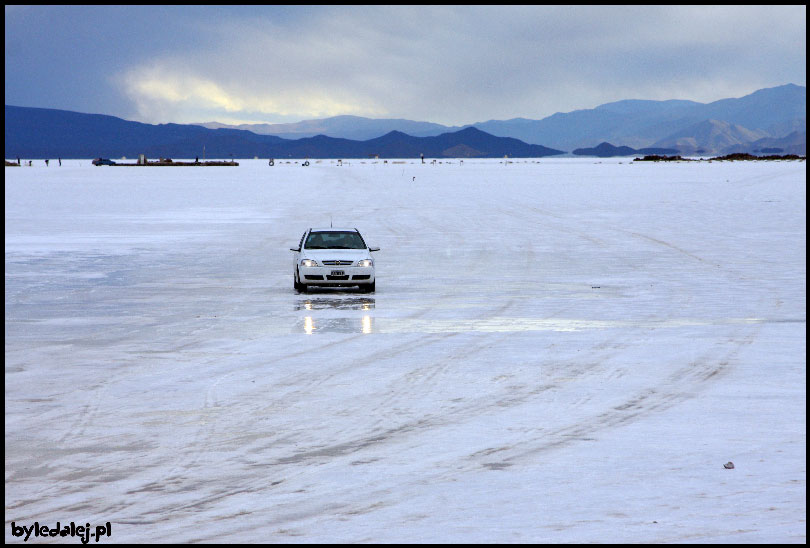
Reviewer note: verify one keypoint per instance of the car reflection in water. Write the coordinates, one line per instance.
(316, 324)
(312, 325)
(352, 303)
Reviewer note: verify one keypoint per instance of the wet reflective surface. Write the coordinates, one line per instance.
(325, 302)
(310, 325)
(346, 302)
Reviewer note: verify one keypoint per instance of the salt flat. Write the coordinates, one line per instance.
(558, 350)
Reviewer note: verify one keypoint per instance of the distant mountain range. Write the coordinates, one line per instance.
(345, 127)
(767, 113)
(772, 120)
(49, 133)
(794, 143)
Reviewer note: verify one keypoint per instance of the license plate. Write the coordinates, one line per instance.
(337, 273)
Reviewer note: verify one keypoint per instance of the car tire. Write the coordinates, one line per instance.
(298, 286)
(369, 288)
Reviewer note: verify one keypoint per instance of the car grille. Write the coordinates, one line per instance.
(337, 278)
(337, 263)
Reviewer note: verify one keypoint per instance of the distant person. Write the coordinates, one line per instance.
(197, 160)
(60, 162)
(46, 163)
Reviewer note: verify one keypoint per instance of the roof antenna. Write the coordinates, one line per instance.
(330, 221)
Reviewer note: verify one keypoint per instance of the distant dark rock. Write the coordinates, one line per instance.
(729, 157)
(747, 157)
(658, 150)
(658, 158)
(606, 150)
(737, 156)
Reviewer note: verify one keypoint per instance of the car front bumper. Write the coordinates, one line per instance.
(337, 276)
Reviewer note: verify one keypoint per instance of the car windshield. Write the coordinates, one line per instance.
(334, 240)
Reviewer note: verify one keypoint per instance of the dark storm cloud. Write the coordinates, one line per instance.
(448, 64)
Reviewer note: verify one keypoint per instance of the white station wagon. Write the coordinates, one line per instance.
(333, 257)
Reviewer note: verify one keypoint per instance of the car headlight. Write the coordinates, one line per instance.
(309, 262)
(365, 263)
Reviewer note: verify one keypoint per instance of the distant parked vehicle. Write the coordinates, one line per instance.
(333, 257)
(103, 162)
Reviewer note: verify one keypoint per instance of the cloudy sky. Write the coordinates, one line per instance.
(452, 65)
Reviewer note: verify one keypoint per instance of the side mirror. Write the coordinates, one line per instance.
(295, 249)
(373, 248)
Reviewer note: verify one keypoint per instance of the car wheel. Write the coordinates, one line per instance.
(298, 286)
(369, 288)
